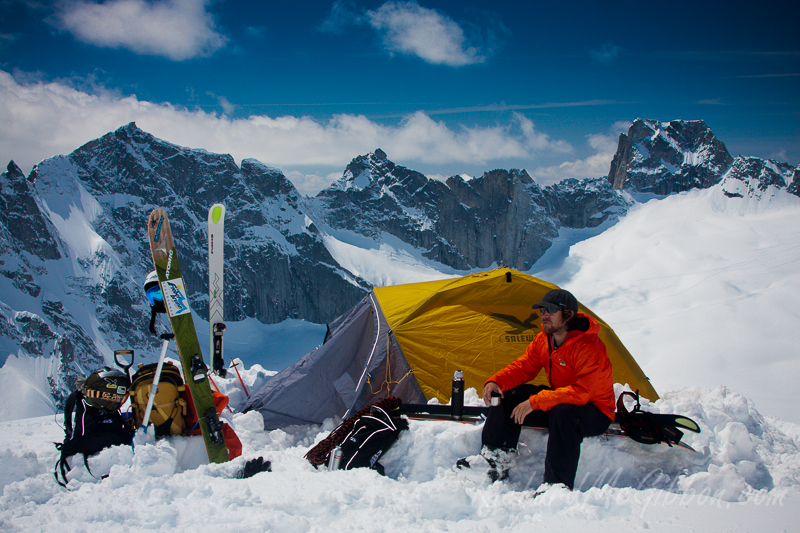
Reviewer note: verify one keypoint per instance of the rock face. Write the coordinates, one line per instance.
(73, 247)
(276, 265)
(500, 218)
(758, 178)
(794, 186)
(668, 157)
(27, 228)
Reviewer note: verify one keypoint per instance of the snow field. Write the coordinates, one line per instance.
(702, 289)
(746, 474)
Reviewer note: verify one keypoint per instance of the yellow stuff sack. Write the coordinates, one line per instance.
(169, 409)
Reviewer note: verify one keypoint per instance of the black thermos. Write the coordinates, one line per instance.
(457, 399)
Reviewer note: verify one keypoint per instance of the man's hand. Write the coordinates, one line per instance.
(521, 411)
(488, 389)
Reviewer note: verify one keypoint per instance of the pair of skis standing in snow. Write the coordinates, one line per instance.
(95, 405)
(176, 304)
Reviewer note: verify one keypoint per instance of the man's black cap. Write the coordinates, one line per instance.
(556, 300)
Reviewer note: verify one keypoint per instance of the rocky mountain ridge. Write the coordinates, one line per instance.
(668, 157)
(73, 252)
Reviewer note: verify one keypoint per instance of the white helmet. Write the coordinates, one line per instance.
(152, 289)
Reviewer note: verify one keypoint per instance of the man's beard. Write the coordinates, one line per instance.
(549, 328)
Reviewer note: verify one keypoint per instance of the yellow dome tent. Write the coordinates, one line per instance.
(480, 323)
(408, 340)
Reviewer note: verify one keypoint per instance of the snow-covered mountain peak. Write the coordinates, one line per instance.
(752, 179)
(667, 157)
(13, 171)
(375, 171)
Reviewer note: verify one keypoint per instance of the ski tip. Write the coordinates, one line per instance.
(685, 446)
(216, 213)
(687, 423)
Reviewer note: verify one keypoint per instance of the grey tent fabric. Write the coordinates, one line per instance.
(359, 363)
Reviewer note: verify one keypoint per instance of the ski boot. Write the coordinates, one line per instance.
(491, 463)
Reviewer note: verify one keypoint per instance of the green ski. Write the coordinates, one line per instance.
(165, 259)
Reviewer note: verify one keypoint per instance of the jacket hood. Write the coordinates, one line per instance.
(582, 323)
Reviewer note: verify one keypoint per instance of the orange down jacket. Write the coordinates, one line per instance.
(578, 371)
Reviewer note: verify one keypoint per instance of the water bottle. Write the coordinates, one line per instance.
(457, 398)
(335, 458)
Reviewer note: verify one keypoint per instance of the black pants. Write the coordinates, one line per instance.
(568, 425)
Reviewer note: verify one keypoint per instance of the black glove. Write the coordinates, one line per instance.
(253, 467)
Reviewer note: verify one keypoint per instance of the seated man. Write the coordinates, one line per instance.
(579, 402)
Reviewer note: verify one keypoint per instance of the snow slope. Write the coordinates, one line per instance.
(701, 288)
(745, 477)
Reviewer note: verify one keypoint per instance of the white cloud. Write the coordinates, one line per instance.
(227, 107)
(779, 155)
(711, 101)
(538, 141)
(408, 28)
(41, 120)
(6, 40)
(620, 126)
(255, 32)
(594, 166)
(312, 183)
(175, 29)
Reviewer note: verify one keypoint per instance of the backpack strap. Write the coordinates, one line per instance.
(153, 314)
(622, 411)
(69, 407)
(62, 467)
(374, 432)
(90, 441)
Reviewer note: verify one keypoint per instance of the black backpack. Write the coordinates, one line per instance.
(93, 430)
(372, 435)
(651, 428)
(321, 453)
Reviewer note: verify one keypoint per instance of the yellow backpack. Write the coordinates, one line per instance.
(169, 409)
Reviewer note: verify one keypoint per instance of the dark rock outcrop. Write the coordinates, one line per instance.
(668, 157)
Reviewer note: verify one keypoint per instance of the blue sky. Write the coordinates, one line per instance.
(443, 87)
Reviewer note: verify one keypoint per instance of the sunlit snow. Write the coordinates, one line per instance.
(702, 289)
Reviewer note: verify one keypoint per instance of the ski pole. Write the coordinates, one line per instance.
(234, 365)
(165, 338)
